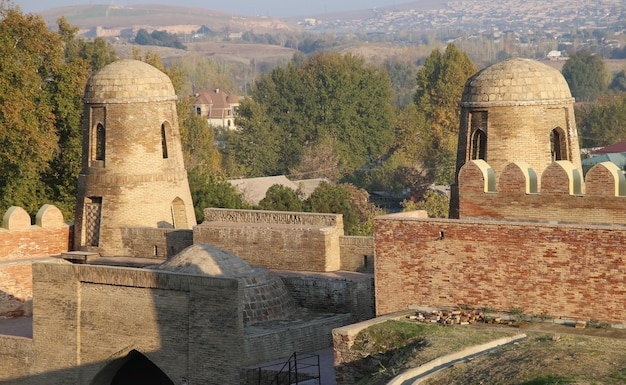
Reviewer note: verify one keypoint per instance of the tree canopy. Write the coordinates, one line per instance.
(43, 78)
(440, 84)
(587, 75)
(329, 98)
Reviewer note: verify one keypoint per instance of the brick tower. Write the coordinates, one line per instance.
(516, 110)
(132, 165)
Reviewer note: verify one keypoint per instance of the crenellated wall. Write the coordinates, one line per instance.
(20, 244)
(563, 197)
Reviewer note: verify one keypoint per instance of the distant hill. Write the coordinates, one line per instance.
(116, 18)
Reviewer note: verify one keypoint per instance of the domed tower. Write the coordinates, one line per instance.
(132, 165)
(516, 110)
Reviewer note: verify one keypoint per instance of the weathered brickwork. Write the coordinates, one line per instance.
(133, 173)
(16, 289)
(562, 270)
(357, 254)
(21, 240)
(337, 292)
(275, 240)
(16, 356)
(559, 199)
(189, 326)
(155, 243)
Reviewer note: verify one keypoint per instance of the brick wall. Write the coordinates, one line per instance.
(21, 240)
(155, 243)
(337, 292)
(560, 198)
(275, 240)
(562, 270)
(16, 356)
(189, 326)
(357, 254)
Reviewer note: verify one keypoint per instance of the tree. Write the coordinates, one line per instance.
(281, 198)
(603, 122)
(586, 74)
(335, 199)
(618, 83)
(212, 191)
(440, 85)
(43, 78)
(437, 205)
(328, 98)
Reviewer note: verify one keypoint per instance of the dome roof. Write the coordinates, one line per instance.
(265, 297)
(515, 81)
(203, 259)
(127, 81)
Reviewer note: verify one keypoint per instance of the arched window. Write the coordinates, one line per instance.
(557, 145)
(100, 142)
(479, 145)
(164, 141)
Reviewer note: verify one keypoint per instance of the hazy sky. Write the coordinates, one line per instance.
(274, 8)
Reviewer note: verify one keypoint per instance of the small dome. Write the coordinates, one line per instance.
(203, 259)
(515, 81)
(265, 296)
(126, 81)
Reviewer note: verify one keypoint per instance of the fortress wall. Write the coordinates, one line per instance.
(573, 271)
(16, 355)
(332, 292)
(155, 243)
(179, 322)
(563, 197)
(21, 240)
(16, 289)
(357, 254)
(273, 217)
(275, 240)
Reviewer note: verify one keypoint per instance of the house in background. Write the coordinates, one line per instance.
(217, 107)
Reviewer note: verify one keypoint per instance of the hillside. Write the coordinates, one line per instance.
(174, 19)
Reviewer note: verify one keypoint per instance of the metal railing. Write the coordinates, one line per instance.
(300, 367)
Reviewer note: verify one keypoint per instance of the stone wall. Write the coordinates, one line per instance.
(564, 196)
(16, 356)
(337, 292)
(155, 243)
(275, 240)
(357, 254)
(571, 271)
(189, 326)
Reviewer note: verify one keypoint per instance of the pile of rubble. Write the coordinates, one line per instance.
(458, 317)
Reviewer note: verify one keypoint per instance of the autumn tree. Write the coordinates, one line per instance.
(43, 78)
(586, 74)
(440, 85)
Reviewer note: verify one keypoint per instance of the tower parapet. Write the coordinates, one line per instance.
(560, 198)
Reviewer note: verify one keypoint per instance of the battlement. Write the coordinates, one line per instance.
(564, 196)
(19, 239)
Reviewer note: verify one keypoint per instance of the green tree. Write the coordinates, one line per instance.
(335, 199)
(587, 75)
(440, 85)
(602, 122)
(212, 191)
(328, 98)
(281, 198)
(437, 205)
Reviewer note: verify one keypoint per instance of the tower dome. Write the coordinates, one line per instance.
(128, 81)
(516, 110)
(515, 81)
(265, 296)
(132, 163)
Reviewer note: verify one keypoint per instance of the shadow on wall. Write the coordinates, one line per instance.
(161, 327)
